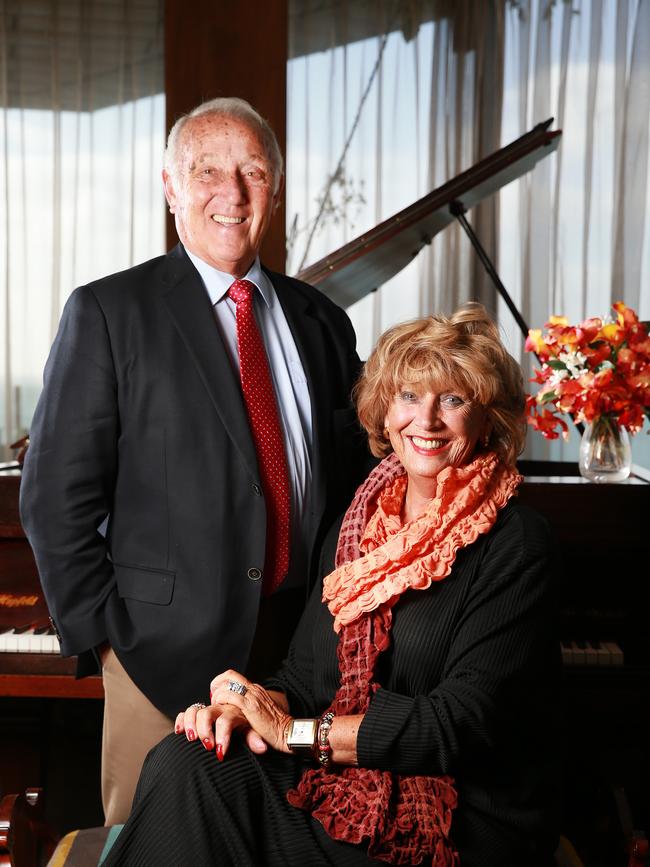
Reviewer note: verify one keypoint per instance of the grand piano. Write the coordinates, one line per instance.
(600, 532)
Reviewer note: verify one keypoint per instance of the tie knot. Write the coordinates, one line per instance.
(241, 290)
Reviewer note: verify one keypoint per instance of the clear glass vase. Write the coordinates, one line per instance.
(605, 452)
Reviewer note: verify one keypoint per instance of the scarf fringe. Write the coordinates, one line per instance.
(401, 819)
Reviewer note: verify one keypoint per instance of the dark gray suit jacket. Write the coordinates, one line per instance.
(141, 418)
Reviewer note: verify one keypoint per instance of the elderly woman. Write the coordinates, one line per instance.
(412, 720)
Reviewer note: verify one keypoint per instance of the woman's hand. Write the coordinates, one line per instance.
(261, 716)
(198, 723)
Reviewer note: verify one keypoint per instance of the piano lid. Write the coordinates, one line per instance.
(364, 264)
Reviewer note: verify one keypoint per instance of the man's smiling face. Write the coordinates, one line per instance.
(221, 191)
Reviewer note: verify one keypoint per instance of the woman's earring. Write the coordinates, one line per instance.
(486, 440)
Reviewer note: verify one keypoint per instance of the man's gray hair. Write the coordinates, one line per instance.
(228, 106)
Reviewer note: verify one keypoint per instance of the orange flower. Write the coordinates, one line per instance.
(534, 341)
(626, 316)
(546, 422)
(598, 352)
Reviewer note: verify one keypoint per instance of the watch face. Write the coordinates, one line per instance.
(302, 732)
(302, 729)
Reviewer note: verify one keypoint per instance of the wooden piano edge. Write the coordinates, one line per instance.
(50, 686)
(26, 840)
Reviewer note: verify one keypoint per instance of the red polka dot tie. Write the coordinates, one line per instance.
(262, 409)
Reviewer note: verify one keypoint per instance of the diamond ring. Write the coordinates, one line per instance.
(236, 686)
(198, 705)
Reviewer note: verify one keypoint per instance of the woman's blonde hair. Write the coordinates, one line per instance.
(463, 352)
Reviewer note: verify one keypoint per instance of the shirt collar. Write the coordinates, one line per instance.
(218, 282)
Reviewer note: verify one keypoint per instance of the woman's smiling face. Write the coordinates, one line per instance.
(431, 430)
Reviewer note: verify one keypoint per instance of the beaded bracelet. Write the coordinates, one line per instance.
(323, 748)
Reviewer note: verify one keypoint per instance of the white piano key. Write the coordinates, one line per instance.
(578, 654)
(616, 654)
(35, 643)
(604, 656)
(567, 654)
(23, 641)
(49, 644)
(591, 654)
(29, 641)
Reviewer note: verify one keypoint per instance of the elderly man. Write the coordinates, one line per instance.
(192, 441)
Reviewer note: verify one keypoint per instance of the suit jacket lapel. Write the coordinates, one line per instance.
(192, 314)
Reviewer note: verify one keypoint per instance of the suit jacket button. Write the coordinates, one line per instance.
(254, 574)
(257, 490)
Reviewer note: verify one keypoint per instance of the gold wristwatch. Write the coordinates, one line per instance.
(301, 736)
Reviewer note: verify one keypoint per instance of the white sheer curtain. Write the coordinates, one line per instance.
(388, 100)
(82, 130)
(574, 235)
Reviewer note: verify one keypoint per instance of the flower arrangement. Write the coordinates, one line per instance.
(598, 368)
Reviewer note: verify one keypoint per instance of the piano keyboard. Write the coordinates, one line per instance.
(596, 653)
(32, 639)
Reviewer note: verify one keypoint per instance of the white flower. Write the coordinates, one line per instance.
(575, 362)
(558, 376)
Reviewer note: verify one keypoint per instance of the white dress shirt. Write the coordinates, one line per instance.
(289, 382)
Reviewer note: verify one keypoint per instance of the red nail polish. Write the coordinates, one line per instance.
(190, 735)
(207, 743)
(219, 751)
(177, 729)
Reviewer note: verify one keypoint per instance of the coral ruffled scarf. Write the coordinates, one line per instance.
(404, 819)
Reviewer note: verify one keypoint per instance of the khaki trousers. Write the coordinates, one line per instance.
(132, 726)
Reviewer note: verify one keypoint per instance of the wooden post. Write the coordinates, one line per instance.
(219, 48)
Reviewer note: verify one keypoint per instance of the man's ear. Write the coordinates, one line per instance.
(277, 196)
(170, 195)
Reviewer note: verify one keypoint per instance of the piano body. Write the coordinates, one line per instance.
(600, 532)
(602, 537)
(50, 722)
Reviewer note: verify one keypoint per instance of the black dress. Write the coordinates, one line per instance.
(468, 689)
